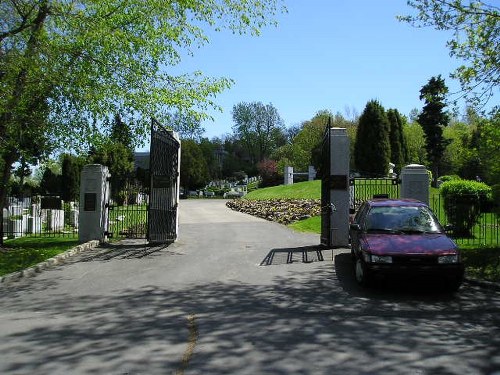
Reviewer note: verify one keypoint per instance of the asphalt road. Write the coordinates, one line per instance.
(238, 295)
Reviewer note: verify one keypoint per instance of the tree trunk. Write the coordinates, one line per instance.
(5, 174)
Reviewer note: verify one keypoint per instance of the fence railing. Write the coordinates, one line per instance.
(40, 216)
(484, 225)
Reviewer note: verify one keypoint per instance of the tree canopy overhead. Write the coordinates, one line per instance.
(88, 59)
(476, 41)
(65, 66)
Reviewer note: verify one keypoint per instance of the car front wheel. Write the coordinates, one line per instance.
(362, 273)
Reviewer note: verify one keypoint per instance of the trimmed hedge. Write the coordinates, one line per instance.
(451, 177)
(464, 200)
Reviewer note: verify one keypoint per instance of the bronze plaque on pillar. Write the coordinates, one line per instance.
(90, 202)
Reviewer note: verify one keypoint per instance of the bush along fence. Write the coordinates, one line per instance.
(40, 216)
(472, 210)
(472, 224)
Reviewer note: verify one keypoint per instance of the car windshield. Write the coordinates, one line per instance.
(404, 219)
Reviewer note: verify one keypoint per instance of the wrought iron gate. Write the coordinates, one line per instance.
(147, 207)
(362, 189)
(164, 188)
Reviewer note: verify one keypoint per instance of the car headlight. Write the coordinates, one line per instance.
(447, 259)
(381, 259)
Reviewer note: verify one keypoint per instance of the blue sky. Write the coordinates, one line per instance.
(326, 54)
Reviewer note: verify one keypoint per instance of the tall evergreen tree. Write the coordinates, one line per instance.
(70, 176)
(372, 150)
(120, 133)
(432, 119)
(399, 150)
(194, 169)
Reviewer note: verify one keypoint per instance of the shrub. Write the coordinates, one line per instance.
(463, 201)
(496, 198)
(268, 172)
(451, 177)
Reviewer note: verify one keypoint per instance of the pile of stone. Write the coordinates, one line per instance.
(283, 211)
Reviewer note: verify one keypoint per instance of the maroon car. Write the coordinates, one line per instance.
(402, 237)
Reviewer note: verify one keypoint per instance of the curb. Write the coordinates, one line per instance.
(51, 262)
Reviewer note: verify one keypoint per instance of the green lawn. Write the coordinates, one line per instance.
(300, 190)
(21, 253)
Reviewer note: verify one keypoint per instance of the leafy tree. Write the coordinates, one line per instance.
(259, 127)
(65, 62)
(188, 126)
(461, 156)
(22, 171)
(415, 141)
(372, 149)
(51, 182)
(433, 119)
(71, 167)
(489, 139)
(309, 140)
(305, 147)
(120, 133)
(292, 131)
(210, 149)
(475, 41)
(194, 170)
(118, 158)
(399, 150)
(268, 171)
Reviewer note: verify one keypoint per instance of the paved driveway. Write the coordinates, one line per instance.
(237, 295)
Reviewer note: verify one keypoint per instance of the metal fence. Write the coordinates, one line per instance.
(482, 221)
(362, 189)
(482, 229)
(40, 216)
(130, 219)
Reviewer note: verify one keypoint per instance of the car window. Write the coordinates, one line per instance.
(402, 219)
(358, 218)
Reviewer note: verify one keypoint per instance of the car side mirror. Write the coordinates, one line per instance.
(355, 227)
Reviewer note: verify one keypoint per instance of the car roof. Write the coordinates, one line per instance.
(381, 202)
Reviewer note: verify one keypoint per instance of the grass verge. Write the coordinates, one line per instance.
(300, 190)
(21, 253)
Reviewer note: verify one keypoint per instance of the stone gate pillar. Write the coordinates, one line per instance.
(335, 189)
(288, 175)
(415, 183)
(94, 194)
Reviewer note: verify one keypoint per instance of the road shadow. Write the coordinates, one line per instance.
(258, 328)
(406, 288)
(124, 250)
(288, 255)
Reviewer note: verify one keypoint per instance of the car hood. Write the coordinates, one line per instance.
(435, 243)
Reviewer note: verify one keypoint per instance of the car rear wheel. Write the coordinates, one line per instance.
(361, 272)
